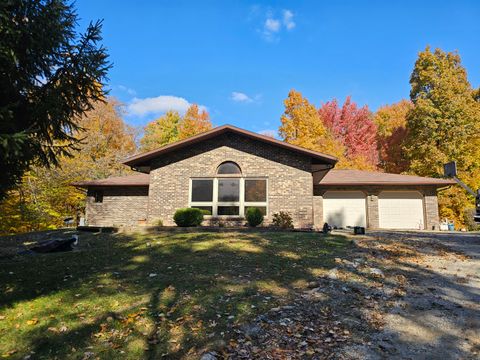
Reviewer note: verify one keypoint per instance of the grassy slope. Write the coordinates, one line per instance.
(102, 299)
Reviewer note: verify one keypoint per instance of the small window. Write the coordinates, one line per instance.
(202, 190)
(255, 190)
(229, 167)
(228, 210)
(98, 196)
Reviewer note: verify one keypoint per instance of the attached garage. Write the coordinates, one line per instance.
(401, 210)
(344, 208)
(379, 200)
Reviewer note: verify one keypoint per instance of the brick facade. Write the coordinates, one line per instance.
(290, 185)
(121, 206)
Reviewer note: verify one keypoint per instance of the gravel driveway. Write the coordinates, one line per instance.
(394, 295)
(439, 314)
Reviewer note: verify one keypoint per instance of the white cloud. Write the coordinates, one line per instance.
(158, 105)
(288, 19)
(240, 97)
(273, 22)
(272, 25)
(126, 89)
(269, 133)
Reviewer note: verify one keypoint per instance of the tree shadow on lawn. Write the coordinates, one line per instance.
(177, 294)
(151, 296)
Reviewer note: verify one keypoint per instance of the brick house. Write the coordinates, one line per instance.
(227, 169)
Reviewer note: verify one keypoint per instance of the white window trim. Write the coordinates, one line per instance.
(241, 203)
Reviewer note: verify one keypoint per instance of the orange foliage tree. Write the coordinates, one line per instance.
(354, 128)
(392, 130)
(45, 196)
(302, 126)
(172, 126)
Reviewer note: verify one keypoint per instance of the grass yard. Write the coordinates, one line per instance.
(144, 296)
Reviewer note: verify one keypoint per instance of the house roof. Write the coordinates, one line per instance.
(358, 177)
(332, 178)
(145, 157)
(139, 179)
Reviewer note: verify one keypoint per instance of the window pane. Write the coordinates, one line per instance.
(98, 196)
(204, 208)
(263, 209)
(255, 190)
(228, 190)
(228, 210)
(202, 190)
(228, 167)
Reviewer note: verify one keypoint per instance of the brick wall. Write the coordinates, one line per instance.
(121, 206)
(430, 203)
(290, 185)
(431, 210)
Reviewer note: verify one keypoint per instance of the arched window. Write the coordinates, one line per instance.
(229, 193)
(228, 167)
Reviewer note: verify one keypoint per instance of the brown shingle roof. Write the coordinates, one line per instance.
(333, 177)
(145, 157)
(129, 180)
(359, 177)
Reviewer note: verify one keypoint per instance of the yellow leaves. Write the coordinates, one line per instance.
(33, 321)
(9, 353)
(194, 122)
(301, 123)
(302, 126)
(171, 127)
(390, 117)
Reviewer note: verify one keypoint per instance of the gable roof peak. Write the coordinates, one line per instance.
(147, 156)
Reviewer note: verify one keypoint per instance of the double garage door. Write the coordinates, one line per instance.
(396, 209)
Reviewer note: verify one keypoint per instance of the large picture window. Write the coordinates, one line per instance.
(228, 196)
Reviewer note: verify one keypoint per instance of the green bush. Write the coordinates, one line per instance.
(188, 217)
(254, 216)
(283, 220)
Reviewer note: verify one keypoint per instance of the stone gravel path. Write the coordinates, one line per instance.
(439, 316)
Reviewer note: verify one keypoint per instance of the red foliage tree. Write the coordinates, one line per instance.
(354, 128)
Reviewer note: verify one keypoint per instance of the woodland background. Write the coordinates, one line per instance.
(439, 123)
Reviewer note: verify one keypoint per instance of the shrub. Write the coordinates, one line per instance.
(283, 220)
(254, 216)
(188, 217)
(470, 224)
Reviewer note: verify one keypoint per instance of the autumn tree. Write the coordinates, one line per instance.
(444, 126)
(161, 131)
(194, 121)
(171, 127)
(50, 75)
(302, 126)
(354, 128)
(45, 195)
(391, 132)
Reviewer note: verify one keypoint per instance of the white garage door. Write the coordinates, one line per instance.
(400, 210)
(344, 208)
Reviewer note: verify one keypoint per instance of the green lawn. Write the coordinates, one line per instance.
(144, 296)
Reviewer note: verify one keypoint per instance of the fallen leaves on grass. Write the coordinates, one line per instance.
(33, 321)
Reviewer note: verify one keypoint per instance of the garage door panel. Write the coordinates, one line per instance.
(344, 208)
(400, 210)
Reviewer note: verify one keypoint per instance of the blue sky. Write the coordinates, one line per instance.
(239, 59)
